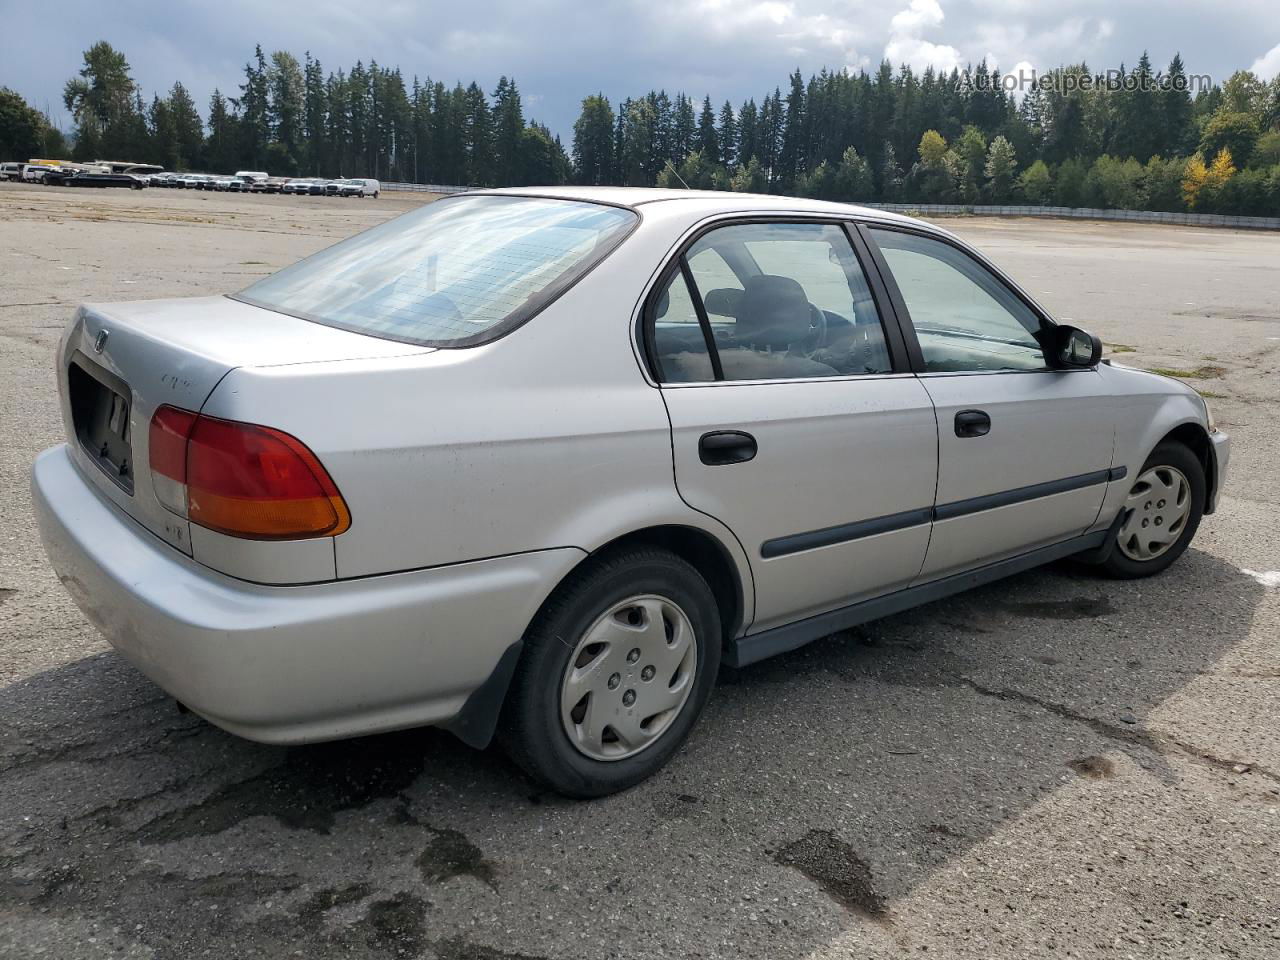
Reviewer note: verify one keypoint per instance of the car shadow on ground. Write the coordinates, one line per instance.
(824, 786)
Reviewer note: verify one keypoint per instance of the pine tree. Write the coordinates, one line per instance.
(187, 127)
(708, 140)
(222, 148)
(313, 111)
(791, 154)
(1175, 110)
(685, 127)
(254, 112)
(748, 119)
(285, 85)
(508, 128)
(727, 136)
(593, 142)
(478, 142)
(637, 149)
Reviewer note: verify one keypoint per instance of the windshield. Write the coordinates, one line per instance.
(453, 273)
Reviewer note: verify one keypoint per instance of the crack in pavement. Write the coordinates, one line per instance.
(1158, 743)
(92, 752)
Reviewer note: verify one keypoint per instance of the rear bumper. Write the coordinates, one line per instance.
(1220, 444)
(288, 664)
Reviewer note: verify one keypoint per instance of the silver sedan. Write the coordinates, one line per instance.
(536, 463)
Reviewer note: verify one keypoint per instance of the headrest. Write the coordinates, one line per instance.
(774, 312)
(723, 301)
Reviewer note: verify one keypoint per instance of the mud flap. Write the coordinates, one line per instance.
(1101, 554)
(477, 721)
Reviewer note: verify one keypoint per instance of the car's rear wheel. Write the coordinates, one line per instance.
(1164, 507)
(614, 673)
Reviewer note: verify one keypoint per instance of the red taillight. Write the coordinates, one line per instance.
(170, 428)
(242, 479)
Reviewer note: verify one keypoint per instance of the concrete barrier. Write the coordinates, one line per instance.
(1084, 213)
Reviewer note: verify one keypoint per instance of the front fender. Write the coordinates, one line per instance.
(1148, 408)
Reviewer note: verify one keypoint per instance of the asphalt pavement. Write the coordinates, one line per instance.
(1055, 765)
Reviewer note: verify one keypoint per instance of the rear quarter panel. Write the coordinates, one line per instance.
(548, 437)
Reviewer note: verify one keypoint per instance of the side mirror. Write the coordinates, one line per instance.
(1073, 347)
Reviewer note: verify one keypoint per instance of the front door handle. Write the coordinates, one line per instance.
(972, 423)
(726, 446)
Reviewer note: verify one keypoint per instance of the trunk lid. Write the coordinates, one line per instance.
(118, 362)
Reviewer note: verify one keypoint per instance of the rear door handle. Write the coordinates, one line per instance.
(972, 423)
(726, 446)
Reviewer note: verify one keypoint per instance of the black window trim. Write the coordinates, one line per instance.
(900, 359)
(914, 352)
(704, 321)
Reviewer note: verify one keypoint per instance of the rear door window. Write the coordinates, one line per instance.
(782, 301)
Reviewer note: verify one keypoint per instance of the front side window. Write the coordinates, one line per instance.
(452, 273)
(781, 301)
(964, 317)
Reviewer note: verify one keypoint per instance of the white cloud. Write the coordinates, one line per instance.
(1267, 65)
(907, 45)
(563, 49)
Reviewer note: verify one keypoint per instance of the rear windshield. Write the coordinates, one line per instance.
(453, 273)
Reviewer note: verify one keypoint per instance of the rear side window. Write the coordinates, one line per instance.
(453, 273)
(779, 301)
(678, 335)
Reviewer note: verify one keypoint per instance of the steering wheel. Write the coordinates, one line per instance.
(817, 337)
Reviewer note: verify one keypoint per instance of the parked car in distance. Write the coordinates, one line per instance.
(251, 176)
(683, 428)
(78, 178)
(269, 185)
(355, 187)
(295, 185)
(318, 188)
(10, 171)
(34, 173)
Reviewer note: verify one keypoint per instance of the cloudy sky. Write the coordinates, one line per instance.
(559, 50)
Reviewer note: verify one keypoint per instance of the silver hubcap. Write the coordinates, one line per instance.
(629, 677)
(1159, 504)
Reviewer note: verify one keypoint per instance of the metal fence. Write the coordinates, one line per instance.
(1084, 213)
(425, 187)
(981, 210)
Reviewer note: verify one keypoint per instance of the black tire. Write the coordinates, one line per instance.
(531, 729)
(1172, 454)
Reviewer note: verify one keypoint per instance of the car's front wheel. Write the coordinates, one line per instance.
(615, 671)
(1164, 507)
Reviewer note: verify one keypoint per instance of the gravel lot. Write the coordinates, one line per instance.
(1053, 765)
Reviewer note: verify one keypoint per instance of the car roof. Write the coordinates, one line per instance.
(728, 201)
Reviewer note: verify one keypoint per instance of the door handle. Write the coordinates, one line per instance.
(972, 423)
(726, 446)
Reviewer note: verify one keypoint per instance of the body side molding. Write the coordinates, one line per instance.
(827, 536)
